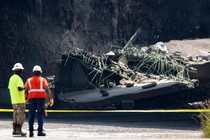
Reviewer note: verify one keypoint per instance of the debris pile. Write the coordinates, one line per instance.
(131, 64)
(127, 74)
(89, 80)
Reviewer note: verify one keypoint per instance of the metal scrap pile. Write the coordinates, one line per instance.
(147, 71)
(131, 65)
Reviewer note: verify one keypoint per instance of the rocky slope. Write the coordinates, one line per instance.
(33, 31)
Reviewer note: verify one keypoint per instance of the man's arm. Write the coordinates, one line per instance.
(26, 93)
(48, 91)
(49, 94)
(20, 85)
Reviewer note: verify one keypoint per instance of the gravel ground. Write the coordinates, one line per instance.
(115, 126)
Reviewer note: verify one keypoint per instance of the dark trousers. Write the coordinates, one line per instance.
(39, 105)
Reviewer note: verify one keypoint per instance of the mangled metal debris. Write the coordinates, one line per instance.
(131, 64)
(130, 74)
(122, 74)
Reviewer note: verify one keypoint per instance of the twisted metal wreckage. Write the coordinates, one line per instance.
(123, 78)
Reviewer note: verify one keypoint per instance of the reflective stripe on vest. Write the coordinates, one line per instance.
(36, 90)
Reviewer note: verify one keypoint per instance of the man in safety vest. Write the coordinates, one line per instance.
(36, 91)
(16, 88)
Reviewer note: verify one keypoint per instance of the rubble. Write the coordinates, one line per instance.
(88, 79)
(203, 55)
(113, 77)
(136, 67)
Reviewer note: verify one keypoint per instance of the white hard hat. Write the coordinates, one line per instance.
(37, 68)
(18, 66)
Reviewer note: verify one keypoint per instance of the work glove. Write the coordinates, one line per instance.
(51, 101)
(26, 102)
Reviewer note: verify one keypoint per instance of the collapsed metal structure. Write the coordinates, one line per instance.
(133, 65)
(88, 80)
(124, 77)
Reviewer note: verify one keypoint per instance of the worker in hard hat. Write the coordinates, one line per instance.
(16, 88)
(36, 91)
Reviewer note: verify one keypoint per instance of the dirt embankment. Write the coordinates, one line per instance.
(192, 47)
(189, 47)
(33, 31)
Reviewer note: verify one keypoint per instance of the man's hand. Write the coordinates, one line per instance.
(51, 101)
(21, 88)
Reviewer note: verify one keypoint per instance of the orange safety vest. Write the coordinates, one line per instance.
(35, 86)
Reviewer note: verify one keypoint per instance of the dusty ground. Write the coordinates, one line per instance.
(188, 47)
(114, 126)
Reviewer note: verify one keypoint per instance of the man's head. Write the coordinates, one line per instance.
(37, 70)
(18, 68)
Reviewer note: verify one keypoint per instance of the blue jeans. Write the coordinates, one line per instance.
(39, 105)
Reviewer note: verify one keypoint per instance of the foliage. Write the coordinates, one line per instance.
(205, 124)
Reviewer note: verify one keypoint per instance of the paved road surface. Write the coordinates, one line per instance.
(112, 126)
